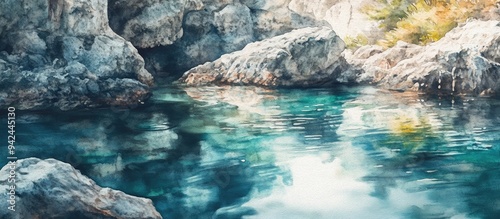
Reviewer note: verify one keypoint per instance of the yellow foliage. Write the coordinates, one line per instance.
(423, 21)
(356, 42)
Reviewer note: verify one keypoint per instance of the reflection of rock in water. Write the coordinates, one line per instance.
(486, 194)
(249, 99)
(411, 144)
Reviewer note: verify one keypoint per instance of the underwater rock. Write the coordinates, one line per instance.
(465, 61)
(53, 189)
(307, 57)
(62, 54)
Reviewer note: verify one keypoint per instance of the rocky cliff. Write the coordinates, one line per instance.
(177, 35)
(62, 54)
(53, 189)
(150, 23)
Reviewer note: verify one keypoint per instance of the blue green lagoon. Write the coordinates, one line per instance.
(249, 152)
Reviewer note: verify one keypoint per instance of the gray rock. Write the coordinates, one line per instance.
(46, 87)
(219, 27)
(53, 189)
(52, 49)
(234, 25)
(302, 58)
(465, 61)
(150, 23)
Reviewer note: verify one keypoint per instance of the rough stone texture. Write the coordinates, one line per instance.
(175, 36)
(152, 22)
(65, 88)
(53, 189)
(273, 18)
(220, 27)
(234, 25)
(303, 58)
(344, 16)
(465, 61)
(62, 54)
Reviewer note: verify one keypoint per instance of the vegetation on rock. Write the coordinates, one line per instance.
(423, 21)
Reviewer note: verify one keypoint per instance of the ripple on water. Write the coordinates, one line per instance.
(353, 152)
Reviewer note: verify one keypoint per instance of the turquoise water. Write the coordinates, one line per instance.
(245, 152)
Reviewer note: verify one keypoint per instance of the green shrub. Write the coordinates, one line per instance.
(356, 42)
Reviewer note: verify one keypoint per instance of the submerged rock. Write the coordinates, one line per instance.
(53, 189)
(302, 58)
(62, 54)
(465, 61)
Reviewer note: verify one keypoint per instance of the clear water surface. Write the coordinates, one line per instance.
(246, 152)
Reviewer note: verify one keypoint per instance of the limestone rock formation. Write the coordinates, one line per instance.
(53, 189)
(306, 57)
(150, 23)
(344, 16)
(175, 36)
(234, 25)
(62, 54)
(217, 28)
(465, 61)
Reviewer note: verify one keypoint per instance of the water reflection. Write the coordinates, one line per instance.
(380, 151)
(233, 152)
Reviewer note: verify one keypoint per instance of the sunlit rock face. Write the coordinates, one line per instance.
(344, 16)
(62, 54)
(282, 61)
(53, 189)
(465, 61)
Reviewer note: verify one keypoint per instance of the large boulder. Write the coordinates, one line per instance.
(465, 61)
(53, 189)
(62, 54)
(302, 58)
